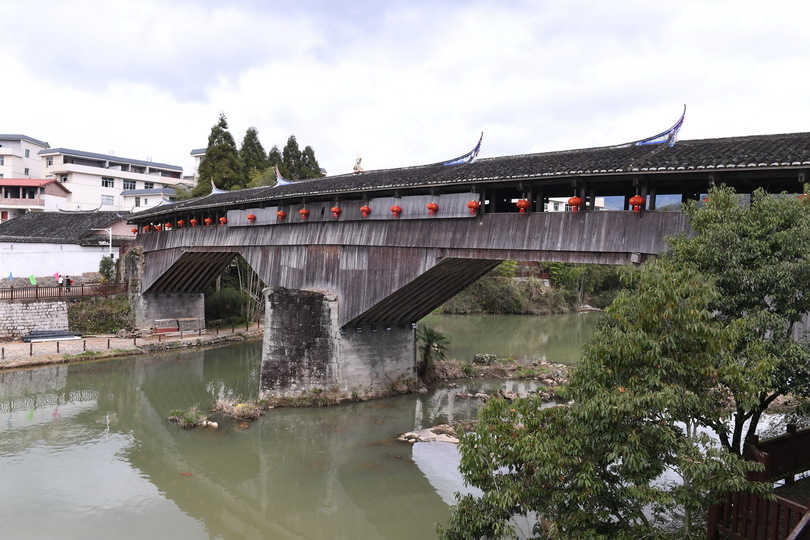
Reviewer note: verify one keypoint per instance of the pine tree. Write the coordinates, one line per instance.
(309, 165)
(221, 164)
(275, 159)
(252, 152)
(291, 159)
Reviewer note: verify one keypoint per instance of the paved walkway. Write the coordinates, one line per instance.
(18, 354)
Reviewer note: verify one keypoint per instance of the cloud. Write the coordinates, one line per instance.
(400, 84)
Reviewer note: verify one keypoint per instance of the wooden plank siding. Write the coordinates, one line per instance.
(396, 270)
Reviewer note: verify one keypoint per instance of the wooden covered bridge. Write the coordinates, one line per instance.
(352, 262)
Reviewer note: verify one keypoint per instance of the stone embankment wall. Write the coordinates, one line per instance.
(18, 318)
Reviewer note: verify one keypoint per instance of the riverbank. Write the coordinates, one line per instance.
(17, 354)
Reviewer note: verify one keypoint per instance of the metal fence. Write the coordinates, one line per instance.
(95, 289)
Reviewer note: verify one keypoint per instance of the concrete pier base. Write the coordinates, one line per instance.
(306, 352)
(150, 308)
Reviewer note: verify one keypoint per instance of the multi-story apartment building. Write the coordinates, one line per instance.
(18, 156)
(104, 182)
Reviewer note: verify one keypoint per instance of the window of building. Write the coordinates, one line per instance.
(145, 201)
(2, 160)
(107, 200)
(106, 181)
(556, 206)
(63, 178)
(49, 162)
(129, 184)
(137, 202)
(148, 185)
(26, 173)
(27, 153)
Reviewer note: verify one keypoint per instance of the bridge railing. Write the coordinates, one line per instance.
(37, 292)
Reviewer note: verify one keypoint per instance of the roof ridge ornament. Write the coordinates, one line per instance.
(469, 157)
(280, 180)
(669, 136)
(214, 189)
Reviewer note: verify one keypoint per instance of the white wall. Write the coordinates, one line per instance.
(42, 260)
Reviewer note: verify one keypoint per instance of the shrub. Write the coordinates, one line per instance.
(100, 315)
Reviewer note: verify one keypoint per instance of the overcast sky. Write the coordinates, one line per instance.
(399, 83)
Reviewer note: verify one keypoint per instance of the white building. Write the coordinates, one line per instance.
(19, 156)
(70, 243)
(198, 154)
(105, 182)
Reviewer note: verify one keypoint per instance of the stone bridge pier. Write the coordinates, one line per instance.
(306, 352)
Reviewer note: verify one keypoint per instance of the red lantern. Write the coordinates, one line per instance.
(158, 228)
(804, 198)
(304, 213)
(208, 221)
(575, 202)
(365, 210)
(167, 226)
(637, 201)
(336, 211)
(180, 223)
(134, 231)
(473, 206)
(251, 218)
(223, 220)
(147, 228)
(432, 207)
(523, 204)
(396, 211)
(194, 222)
(281, 214)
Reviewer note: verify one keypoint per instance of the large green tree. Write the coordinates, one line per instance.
(627, 458)
(711, 323)
(220, 164)
(758, 253)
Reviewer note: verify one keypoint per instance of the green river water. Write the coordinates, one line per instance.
(86, 450)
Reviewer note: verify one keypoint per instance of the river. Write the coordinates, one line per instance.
(86, 450)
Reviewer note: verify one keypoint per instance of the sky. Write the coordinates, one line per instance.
(399, 83)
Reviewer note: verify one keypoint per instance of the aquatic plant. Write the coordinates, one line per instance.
(192, 417)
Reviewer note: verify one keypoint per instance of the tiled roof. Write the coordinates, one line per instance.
(32, 182)
(57, 227)
(734, 153)
(105, 157)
